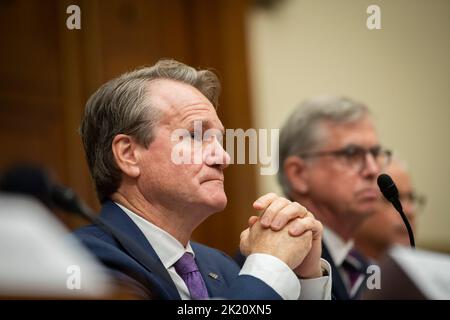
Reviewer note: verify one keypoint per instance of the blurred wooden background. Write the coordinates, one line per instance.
(47, 72)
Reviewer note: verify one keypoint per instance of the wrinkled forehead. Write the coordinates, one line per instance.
(178, 101)
(358, 132)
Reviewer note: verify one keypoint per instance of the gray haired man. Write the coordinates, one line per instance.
(330, 158)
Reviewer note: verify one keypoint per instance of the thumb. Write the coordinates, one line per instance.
(244, 245)
(252, 220)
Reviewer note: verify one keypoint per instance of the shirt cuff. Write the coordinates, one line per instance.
(274, 272)
(318, 288)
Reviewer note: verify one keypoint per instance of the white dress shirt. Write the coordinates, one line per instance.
(339, 249)
(269, 269)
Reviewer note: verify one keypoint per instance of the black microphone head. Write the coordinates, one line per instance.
(387, 187)
(28, 180)
(34, 181)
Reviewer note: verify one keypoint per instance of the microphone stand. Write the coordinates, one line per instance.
(398, 206)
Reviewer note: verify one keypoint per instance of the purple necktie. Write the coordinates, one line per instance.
(188, 271)
(354, 267)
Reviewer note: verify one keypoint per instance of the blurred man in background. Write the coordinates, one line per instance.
(330, 157)
(386, 228)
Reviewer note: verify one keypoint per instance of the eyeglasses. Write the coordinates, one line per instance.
(355, 156)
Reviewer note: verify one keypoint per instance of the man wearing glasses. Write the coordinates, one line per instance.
(386, 228)
(331, 157)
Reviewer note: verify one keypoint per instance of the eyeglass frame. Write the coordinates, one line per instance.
(344, 152)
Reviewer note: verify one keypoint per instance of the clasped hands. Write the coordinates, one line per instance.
(286, 230)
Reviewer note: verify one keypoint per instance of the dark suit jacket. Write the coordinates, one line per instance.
(130, 257)
(338, 288)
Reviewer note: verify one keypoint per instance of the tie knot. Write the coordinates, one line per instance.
(355, 261)
(186, 264)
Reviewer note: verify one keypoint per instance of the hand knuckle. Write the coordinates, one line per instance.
(319, 225)
(269, 212)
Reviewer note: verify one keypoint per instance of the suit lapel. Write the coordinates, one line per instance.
(339, 290)
(214, 280)
(137, 246)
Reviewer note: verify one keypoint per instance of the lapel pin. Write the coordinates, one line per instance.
(213, 275)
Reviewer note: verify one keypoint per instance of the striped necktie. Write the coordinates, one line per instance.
(355, 268)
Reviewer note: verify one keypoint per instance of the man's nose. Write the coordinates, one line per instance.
(371, 166)
(215, 155)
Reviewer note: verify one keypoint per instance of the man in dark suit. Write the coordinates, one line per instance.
(330, 157)
(158, 177)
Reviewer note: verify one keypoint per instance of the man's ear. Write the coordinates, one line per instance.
(126, 155)
(296, 173)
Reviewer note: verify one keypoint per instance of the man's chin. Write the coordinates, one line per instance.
(218, 203)
(367, 207)
(214, 201)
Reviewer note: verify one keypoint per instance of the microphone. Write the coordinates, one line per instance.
(66, 199)
(390, 192)
(27, 180)
(34, 181)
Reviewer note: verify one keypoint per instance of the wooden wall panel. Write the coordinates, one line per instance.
(48, 72)
(30, 105)
(29, 49)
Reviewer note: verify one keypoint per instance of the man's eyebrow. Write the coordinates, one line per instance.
(206, 124)
(356, 145)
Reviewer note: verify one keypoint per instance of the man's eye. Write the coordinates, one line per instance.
(196, 137)
(375, 152)
(351, 152)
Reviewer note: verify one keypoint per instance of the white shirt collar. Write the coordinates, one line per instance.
(336, 246)
(168, 249)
